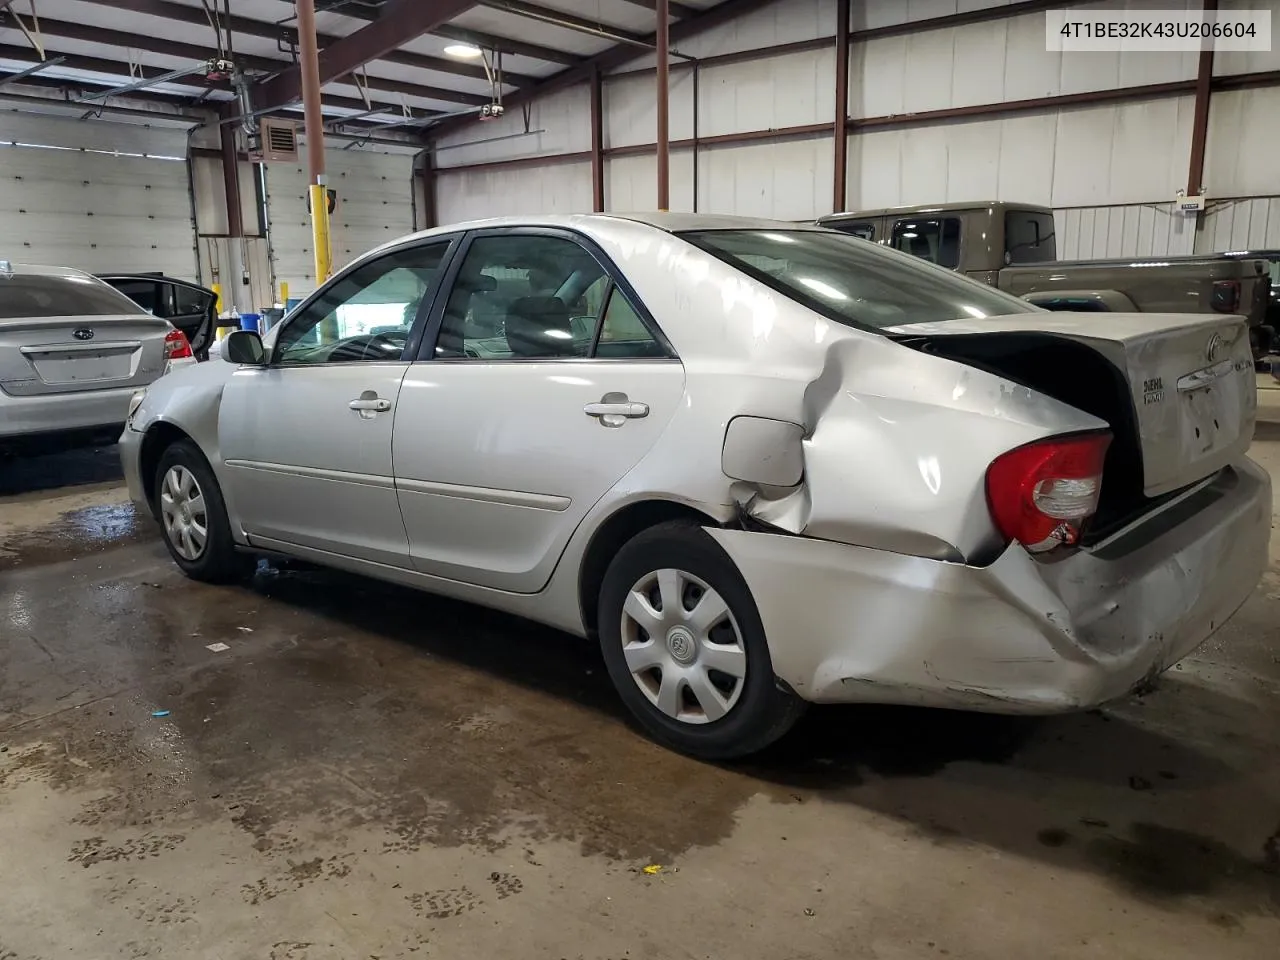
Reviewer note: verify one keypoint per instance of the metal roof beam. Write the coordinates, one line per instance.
(266, 30)
(400, 21)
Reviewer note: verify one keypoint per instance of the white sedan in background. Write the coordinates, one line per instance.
(763, 463)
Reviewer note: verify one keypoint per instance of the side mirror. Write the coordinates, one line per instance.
(244, 347)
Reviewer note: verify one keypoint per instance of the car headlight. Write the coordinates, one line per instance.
(135, 402)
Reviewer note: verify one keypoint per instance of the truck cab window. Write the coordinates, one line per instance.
(935, 240)
(1028, 237)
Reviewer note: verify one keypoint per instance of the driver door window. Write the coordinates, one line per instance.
(367, 315)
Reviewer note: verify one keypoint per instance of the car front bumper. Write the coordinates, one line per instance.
(851, 624)
(130, 446)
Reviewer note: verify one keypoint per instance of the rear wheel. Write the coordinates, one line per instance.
(685, 647)
(193, 517)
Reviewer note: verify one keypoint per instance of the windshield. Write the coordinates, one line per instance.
(855, 282)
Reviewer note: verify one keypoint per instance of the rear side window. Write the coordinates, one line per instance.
(937, 241)
(190, 300)
(862, 284)
(1028, 237)
(26, 295)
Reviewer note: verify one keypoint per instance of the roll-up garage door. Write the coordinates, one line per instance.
(99, 196)
(374, 205)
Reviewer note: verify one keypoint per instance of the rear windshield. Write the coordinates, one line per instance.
(854, 282)
(28, 295)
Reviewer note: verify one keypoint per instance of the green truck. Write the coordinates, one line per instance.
(1012, 246)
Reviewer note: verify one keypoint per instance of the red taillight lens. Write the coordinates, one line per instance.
(1225, 297)
(176, 346)
(1041, 494)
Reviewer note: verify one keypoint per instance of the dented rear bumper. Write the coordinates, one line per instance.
(853, 624)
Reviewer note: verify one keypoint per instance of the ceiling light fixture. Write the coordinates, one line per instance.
(463, 51)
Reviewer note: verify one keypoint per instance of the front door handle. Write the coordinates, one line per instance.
(368, 404)
(614, 409)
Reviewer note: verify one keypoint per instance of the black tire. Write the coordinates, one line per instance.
(763, 711)
(219, 562)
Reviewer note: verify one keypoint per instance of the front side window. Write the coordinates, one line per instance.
(862, 284)
(519, 297)
(367, 314)
(1028, 237)
(935, 240)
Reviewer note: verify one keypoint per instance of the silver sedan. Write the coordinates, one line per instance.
(764, 464)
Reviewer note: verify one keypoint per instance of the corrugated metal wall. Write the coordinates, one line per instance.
(96, 196)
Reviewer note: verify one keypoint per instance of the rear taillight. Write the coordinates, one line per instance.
(1041, 495)
(176, 346)
(1226, 296)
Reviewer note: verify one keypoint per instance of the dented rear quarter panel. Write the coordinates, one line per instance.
(895, 442)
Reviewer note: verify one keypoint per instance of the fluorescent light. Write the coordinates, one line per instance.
(463, 51)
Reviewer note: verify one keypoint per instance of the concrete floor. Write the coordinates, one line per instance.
(367, 772)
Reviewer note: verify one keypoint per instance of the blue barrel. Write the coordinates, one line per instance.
(290, 304)
(249, 321)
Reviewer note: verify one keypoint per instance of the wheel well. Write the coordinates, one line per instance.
(158, 439)
(632, 519)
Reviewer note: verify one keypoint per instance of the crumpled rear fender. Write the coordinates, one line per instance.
(895, 445)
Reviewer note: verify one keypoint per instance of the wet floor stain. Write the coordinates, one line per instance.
(78, 534)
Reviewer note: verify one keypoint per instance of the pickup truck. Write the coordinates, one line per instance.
(1012, 246)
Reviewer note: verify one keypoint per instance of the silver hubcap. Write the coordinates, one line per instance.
(683, 647)
(186, 523)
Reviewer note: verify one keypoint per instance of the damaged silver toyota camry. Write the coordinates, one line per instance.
(764, 464)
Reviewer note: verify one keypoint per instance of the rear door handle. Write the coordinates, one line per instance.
(614, 409)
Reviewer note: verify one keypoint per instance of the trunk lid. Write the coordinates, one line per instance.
(1190, 380)
(51, 355)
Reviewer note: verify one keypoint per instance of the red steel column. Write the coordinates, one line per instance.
(1200, 119)
(839, 200)
(597, 141)
(664, 133)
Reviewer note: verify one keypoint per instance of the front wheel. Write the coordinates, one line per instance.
(684, 645)
(193, 516)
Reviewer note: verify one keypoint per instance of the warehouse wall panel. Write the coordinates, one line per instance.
(1131, 230)
(631, 183)
(1249, 224)
(788, 180)
(1081, 156)
(991, 62)
(1244, 142)
(476, 194)
(1227, 62)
